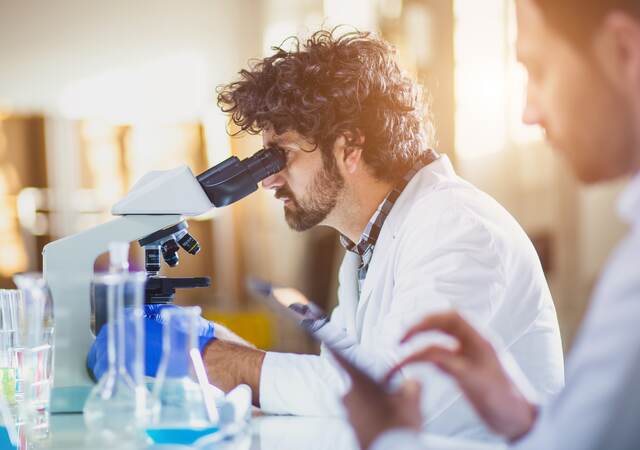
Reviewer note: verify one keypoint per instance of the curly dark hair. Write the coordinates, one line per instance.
(332, 85)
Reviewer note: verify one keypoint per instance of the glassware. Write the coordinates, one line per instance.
(8, 329)
(8, 432)
(115, 410)
(118, 263)
(186, 409)
(33, 351)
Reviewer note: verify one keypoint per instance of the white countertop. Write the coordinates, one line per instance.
(266, 433)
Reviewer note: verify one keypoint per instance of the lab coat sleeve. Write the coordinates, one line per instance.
(306, 385)
(312, 385)
(462, 268)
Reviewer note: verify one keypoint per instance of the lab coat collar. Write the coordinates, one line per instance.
(629, 202)
(442, 166)
(428, 175)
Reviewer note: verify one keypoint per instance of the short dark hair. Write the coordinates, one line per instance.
(577, 19)
(331, 85)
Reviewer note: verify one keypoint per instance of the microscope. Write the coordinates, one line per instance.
(153, 213)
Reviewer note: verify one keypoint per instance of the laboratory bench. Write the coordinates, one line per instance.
(264, 433)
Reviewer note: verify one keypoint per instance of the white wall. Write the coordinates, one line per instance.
(52, 52)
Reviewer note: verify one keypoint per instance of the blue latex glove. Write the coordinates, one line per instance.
(97, 359)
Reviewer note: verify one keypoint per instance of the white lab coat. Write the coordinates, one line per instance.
(444, 245)
(600, 406)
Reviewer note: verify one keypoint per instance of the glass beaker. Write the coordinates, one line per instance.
(34, 353)
(186, 409)
(115, 410)
(8, 334)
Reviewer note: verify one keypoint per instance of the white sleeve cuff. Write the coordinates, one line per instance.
(272, 371)
(306, 385)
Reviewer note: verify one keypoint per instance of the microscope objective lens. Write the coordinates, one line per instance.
(152, 260)
(189, 244)
(170, 252)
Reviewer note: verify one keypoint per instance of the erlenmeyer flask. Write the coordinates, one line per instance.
(115, 408)
(186, 410)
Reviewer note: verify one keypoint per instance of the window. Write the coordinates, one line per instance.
(489, 83)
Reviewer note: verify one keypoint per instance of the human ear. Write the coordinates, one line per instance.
(618, 47)
(352, 150)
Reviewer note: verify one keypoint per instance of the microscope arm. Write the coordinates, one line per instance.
(68, 270)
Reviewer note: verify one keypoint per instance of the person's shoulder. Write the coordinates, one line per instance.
(620, 271)
(447, 199)
(444, 216)
(454, 208)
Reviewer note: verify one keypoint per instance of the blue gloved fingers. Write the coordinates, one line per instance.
(153, 311)
(91, 360)
(97, 359)
(152, 347)
(204, 341)
(207, 329)
(207, 334)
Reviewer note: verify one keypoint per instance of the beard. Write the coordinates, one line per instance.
(319, 200)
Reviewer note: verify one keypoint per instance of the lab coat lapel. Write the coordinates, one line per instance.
(381, 253)
(426, 176)
(348, 293)
(378, 261)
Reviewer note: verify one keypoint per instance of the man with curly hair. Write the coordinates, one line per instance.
(419, 239)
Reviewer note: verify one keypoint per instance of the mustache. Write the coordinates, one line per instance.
(284, 191)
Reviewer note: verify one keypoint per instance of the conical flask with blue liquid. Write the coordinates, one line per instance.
(186, 411)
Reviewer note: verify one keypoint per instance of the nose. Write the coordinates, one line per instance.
(273, 181)
(531, 113)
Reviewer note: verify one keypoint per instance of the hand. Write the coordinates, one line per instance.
(372, 409)
(475, 366)
(97, 360)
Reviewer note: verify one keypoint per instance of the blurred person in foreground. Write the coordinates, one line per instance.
(419, 239)
(583, 60)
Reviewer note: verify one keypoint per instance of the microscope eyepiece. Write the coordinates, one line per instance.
(265, 162)
(232, 179)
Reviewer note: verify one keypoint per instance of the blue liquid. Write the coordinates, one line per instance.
(185, 436)
(5, 442)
